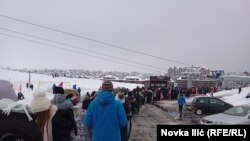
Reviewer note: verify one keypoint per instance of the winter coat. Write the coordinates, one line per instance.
(17, 122)
(127, 108)
(105, 116)
(74, 87)
(85, 103)
(63, 123)
(181, 100)
(60, 101)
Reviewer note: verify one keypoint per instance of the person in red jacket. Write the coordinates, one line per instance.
(212, 91)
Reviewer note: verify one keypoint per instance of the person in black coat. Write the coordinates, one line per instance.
(17, 126)
(63, 123)
(149, 96)
(127, 107)
(16, 123)
(20, 96)
(239, 89)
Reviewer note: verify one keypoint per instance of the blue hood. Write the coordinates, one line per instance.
(105, 116)
(105, 97)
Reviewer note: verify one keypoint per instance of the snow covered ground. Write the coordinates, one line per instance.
(45, 82)
(233, 97)
(19, 79)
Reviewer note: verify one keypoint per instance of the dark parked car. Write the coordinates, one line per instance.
(209, 105)
(190, 99)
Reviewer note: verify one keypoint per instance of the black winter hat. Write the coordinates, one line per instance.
(58, 90)
(69, 96)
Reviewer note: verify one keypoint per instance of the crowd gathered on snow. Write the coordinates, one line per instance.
(63, 114)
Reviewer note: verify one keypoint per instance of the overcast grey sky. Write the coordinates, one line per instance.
(212, 33)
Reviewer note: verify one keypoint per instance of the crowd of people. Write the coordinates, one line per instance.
(105, 115)
(43, 120)
(101, 117)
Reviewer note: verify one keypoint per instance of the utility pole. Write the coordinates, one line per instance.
(29, 77)
(29, 81)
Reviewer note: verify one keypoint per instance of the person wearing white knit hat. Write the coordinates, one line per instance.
(55, 123)
(40, 102)
(45, 111)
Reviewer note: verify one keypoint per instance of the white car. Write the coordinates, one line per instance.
(237, 115)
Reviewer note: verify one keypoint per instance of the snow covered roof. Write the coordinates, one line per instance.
(110, 77)
(132, 78)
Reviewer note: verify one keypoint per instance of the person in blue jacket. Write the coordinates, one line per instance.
(181, 101)
(105, 116)
(74, 87)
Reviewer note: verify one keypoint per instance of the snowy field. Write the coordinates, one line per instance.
(45, 82)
